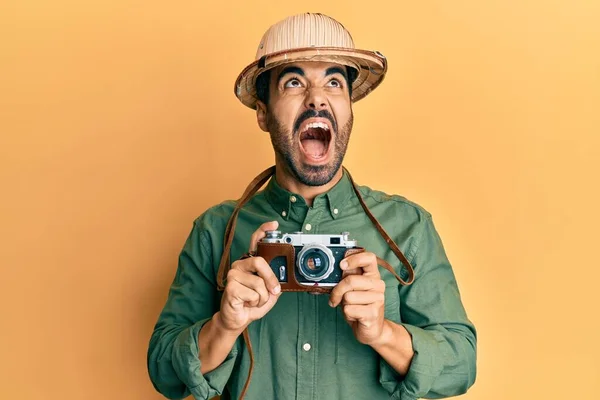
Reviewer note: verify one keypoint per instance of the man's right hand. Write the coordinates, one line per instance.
(252, 288)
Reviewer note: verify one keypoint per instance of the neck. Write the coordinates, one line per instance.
(286, 180)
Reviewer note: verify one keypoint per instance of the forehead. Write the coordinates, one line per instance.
(310, 68)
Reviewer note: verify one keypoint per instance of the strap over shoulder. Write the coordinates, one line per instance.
(251, 190)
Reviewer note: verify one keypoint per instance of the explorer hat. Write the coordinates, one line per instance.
(311, 37)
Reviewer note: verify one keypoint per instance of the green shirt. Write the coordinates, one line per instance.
(303, 348)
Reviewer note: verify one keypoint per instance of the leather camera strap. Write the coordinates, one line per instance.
(388, 240)
(225, 264)
(250, 191)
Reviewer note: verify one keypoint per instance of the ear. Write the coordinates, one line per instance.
(261, 115)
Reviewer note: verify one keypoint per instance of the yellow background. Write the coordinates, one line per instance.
(119, 126)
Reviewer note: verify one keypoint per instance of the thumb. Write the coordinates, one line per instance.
(261, 233)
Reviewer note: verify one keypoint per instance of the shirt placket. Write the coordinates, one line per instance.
(308, 332)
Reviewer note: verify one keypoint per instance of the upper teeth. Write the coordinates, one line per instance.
(321, 125)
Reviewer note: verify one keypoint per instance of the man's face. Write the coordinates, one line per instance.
(309, 118)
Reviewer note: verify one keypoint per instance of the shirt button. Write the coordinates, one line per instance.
(293, 199)
(308, 227)
(306, 347)
(283, 213)
(335, 211)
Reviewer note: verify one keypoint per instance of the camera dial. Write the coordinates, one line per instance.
(272, 237)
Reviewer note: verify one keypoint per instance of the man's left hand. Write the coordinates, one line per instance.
(361, 295)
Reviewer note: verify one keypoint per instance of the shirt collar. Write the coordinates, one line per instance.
(334, 199)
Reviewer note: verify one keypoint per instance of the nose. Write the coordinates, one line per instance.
(315, 99)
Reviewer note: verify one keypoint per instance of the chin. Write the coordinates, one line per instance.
(315, 175)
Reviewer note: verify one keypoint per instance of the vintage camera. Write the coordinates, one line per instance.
(303, 262)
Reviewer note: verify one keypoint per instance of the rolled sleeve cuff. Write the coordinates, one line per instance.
(423, 370)
(186, 362)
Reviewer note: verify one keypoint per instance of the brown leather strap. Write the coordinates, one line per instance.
(256, 184)
(384, 264)
(252, 188)
(380, 261)
(246, 335)
(224, 265)
(388, 240)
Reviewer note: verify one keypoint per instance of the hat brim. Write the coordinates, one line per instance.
(371, 67)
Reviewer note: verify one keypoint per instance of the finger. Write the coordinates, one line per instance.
(357, 283)
(261, 233)
(237, 294)
(363, 298)
(252, 282)
(258, 265)
(269, 304)
(354, 271)
(365, 315)
(367, 261)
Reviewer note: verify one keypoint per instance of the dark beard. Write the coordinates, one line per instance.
(309, 175)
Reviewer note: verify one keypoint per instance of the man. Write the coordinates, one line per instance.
(371, 337)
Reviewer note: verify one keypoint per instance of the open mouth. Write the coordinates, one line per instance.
(314, 139)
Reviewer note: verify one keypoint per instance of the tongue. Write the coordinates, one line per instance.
(314, 147)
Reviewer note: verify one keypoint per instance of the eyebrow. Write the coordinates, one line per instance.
(290, 70)
(336, 70)
(300, 71)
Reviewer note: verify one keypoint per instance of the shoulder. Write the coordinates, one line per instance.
(394, 202)
(215, 218)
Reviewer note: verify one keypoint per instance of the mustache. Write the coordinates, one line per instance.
(315, 114)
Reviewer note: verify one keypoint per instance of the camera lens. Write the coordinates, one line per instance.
(315, 262)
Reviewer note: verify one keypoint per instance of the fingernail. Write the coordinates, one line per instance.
(330, 303)
(277, 289)
(343, 264)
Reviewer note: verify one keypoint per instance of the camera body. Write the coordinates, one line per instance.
(305, 262)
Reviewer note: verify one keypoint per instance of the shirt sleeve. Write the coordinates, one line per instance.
(444, 340)
(173, 356)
